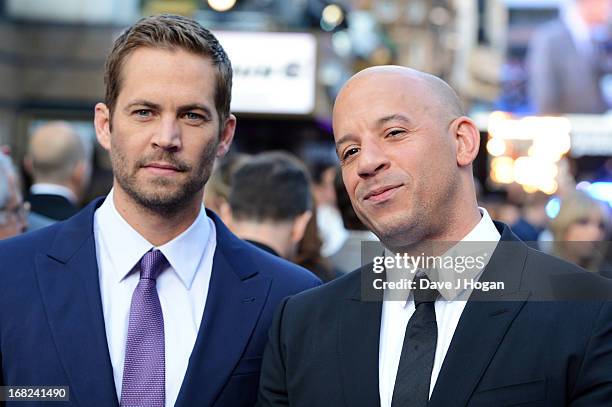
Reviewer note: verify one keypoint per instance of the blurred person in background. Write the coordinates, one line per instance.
(348, 258)
(567, 59)
(17, 217)
(270, 202)
(60, 169)
(217, 191)
(579, 231)
(308, 254)
(500, 207)
(533, 220)
(329, 222)
(13, 218)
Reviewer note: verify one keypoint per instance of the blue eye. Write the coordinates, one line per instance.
(192, 116)
(143, 112)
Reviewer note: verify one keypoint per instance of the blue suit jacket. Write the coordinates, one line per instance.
(52, 326)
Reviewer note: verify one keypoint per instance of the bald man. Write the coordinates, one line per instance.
(58, 164)
(507, 330)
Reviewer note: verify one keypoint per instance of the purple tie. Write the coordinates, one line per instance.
(144, 370)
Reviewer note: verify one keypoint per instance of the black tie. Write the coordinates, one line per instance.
(417, 358)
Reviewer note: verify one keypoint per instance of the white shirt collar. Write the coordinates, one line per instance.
(53, 189)
(184, 252)
(484, 231)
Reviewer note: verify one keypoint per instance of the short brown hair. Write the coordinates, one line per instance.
(170, 32)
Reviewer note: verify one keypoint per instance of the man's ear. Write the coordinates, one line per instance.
(299, 226)
(226, 136)
(467, 137)
(102, 124)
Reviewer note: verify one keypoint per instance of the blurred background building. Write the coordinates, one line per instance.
(291, 57)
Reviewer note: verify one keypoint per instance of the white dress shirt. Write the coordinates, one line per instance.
(396, 314)
(182, 287)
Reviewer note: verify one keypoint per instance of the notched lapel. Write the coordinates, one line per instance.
(483, 324)
(480, 331)
(69, 287)
(358, 343)
(234, 304)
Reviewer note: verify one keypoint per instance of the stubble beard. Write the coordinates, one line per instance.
(156, 197)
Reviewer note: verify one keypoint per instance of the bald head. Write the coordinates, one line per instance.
(428, 89)
(54, 151)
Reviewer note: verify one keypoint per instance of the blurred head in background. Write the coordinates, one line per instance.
(13, 213)
(579, 228)
(349, 218)
(533, 219)
(593, 12)
(217, 191)
(56, 155)
(271, 202)
(323, 173)
(323, 168)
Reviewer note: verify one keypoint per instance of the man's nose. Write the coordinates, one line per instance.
(168, 135)
(372, 159)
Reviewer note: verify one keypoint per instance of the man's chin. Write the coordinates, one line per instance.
(396, 232)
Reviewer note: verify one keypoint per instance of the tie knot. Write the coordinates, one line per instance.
(422, 292)
(152, 264)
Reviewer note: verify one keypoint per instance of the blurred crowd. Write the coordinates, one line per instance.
(294, 208)
(297, 207)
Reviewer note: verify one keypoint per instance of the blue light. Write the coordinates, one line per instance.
(552, 207)
(601, 191)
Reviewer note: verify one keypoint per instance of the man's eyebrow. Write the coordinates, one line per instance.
(344, 139)
(181, 109)
(142, 102)
(393, 117)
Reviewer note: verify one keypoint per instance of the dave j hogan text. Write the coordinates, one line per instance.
(459, 284)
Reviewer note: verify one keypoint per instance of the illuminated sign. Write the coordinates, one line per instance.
(273, 72)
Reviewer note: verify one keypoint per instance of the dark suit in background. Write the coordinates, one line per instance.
(52, 326)
(562, 77)
(52, 206)
(522, 352)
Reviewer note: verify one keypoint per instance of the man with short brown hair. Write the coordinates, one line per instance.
(144, 298)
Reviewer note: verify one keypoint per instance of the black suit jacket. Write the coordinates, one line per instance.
(52, 206)
(324, 343)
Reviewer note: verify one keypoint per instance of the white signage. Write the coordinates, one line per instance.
(273, 72)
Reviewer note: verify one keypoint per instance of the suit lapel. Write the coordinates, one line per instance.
(236, 296)
(69, 287)
(358, 346)
(483, 324)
